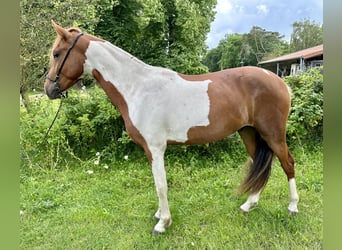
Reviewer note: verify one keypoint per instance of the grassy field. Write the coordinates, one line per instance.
(82, 205)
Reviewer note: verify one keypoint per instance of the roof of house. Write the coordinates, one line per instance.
(305, 53)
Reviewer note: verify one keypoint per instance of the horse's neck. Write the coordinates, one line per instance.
(117, 66)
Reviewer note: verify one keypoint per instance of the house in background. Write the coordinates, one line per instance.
(295, 63)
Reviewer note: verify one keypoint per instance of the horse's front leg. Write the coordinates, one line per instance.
(159, 175)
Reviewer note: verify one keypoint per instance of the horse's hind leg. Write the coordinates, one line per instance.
(287, 162)
(249, 137)
(280, 148)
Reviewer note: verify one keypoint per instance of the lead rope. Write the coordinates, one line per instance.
(49, 129)
(53, 122)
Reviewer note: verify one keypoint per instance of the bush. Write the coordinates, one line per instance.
(34, 145)
(91, 122)
(87, 123)
(306, 116)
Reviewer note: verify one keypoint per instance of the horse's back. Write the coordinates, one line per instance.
(249, 81)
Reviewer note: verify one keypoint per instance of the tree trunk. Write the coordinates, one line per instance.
(25, 98)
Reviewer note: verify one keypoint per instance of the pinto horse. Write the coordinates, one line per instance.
(161, 107)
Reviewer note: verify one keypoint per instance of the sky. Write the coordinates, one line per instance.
(239, 16)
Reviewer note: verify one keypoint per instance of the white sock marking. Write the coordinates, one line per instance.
(294, 197)
(251, 202)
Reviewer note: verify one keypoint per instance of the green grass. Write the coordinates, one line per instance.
(64, 207)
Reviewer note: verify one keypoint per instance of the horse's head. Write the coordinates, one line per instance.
(66, 63)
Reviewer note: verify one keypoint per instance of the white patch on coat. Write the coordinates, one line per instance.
(162, 105)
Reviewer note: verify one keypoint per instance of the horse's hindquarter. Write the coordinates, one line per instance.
(240, 97)
(271, 97)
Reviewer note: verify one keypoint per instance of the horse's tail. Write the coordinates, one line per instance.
(259, 170)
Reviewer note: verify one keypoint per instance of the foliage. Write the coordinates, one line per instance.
(237, 50)
(258, 45)
(262, 43)
(87, 123)
(306, 34)
(233, 52)
(36, 38)
(91, 122)
(306, 116)
(213, 57)
(34, 146)
(160, 32)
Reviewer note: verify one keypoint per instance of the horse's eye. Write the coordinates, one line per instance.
(56, 55)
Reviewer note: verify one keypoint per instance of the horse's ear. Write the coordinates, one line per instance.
(60, 30)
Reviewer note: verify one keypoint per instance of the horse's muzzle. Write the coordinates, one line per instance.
(53, 91)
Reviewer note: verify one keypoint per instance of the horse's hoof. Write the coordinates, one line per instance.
(247, 207)
(244, 208)
(244, 211)
(156, 232)
(293, 212)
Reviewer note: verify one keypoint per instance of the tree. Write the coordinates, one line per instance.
(160, 32)
(187, 36)
(261, 43)
(211, 60)
(233, 53)
(306, 34)
(135, 26)
(237, 50)
(33, 45)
